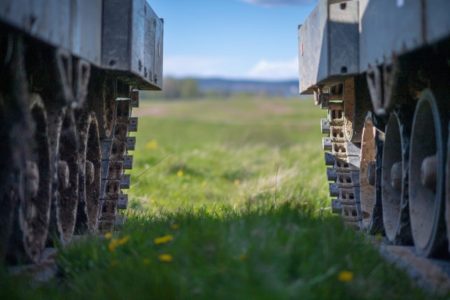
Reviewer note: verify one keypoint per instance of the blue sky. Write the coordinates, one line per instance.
(249, 39)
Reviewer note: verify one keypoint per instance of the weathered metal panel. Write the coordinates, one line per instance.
(47, 20)
(74, 25)
(123, 35)
(52, 21)
(437, 20)
(159, 51)
(87, 29)
(153, 46)
(116, 34)
(388, 28)
(129, 40)
(313, 48)
(16, 13)
(328, 43)
(147, 28)
(138, 38)
(152, 40)
(343, 38)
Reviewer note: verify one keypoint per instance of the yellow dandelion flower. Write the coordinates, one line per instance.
(345, 276)
(108, 235)
(146, 261)
(151, 145)
(174, 226)
(237, 182)
(123, 240)
(163, 239)
(180, 173)
(167, 258)
(114, 243)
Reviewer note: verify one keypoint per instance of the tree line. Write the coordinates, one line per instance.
(174, 88)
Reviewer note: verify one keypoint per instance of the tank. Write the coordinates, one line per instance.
(381, 70)
(71, 71)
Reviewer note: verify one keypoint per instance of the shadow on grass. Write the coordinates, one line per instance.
(276, 252)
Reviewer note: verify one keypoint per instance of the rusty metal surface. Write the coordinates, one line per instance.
(370, 200)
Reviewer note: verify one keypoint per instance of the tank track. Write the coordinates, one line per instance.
(118, 161)
(65, 126)
(342, 158)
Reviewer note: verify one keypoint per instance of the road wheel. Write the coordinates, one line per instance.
(426, 180)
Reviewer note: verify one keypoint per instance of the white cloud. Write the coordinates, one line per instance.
(275, 70)
(198, 66)
(202, 66)
(279, 2)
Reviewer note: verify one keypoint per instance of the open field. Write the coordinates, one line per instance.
(229, 201)
(237, 153)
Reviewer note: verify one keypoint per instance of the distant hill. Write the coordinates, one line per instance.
(231, 86)
(194, 88)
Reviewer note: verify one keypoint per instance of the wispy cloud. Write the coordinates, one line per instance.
(278, 70)
(197, 66)
(200, 66)
(279, 2)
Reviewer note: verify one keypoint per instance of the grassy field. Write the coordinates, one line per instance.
(229, 201)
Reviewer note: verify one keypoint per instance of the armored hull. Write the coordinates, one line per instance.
(381, 69)
(71, 71)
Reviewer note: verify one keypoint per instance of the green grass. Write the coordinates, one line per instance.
(233, 153)
(238, 189)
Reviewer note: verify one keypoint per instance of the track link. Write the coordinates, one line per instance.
(342, 159)
(115, 150)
